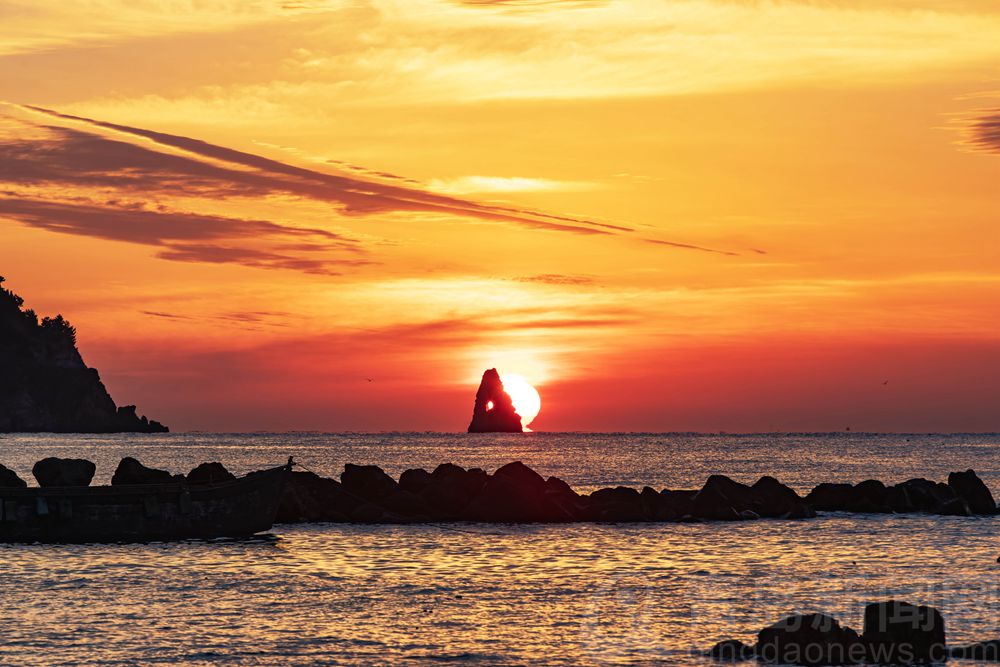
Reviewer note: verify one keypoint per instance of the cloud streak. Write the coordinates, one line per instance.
(983, 132)
(76, 175)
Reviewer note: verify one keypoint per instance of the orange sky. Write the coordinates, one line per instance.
(687, 215)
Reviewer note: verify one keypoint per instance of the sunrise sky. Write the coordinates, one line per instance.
(686, 215)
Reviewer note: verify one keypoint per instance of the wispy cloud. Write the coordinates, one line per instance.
(353, 195)
(190, 237)
(81, 176)
(499, 184)
(982, 131)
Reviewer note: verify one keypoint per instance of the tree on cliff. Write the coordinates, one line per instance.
(44, 383)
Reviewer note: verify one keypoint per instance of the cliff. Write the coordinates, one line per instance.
(494, 411)
(44, 384)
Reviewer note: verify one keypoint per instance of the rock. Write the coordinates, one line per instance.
(414, 480)
(494, 411)
(722, 499)
(898, 499)
(899, 633)
(812, 639)
(207, 473)
(563, 495)
(45, 384)
(557, 487)
(774, 499)
(618, 505)
(9, 479)
(675, 505)
(925, 495)
(868, 497)
(831, 497)
(131, 471)
(368, 513)
(988, 651)
(407, 506)
(973, 491)
(63, 472)
(731, 650)
(516, 494)
(368, 482)
(953, 507)
(650, 501)
(452, 488)
(311, 498)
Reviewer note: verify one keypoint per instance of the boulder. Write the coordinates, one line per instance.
(63, 472)
(675, 505)
(563, 495)
(988, 651)
(722, 499)
(650, 501)
(811, 639)
(898, 499)
(899, 633)
(494, 411)
(9, 479)
(405, 506)
(620, 504)
(731, 650)
(831, 497)
(311, 498)
(867, 497)
(973, 491)
(925, 495)
(130, 471)
(414, 480)
(207, 473)
(368, 482)
(774, 499)
(516, 494)
(870, 497)
(368, 513)
(953, 507)
(452, 488)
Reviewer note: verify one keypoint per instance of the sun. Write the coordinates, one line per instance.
(526, 400)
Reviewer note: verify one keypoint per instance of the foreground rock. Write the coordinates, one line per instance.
(973, 491)
(494, 411)
(899, 633)
(811, 639)
(46, 386)
(9, 479)
(208, 473)
(984, 651)
(63, 472)
(131, 471)
(731, 650)
(896, 633)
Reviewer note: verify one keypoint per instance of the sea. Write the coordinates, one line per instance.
(478, 594)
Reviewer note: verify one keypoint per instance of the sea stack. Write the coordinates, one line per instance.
(46, 386)
(494, 411)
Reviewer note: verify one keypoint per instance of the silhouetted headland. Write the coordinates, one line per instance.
(45, 385)
(494, 411)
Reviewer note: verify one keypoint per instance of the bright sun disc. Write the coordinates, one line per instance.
(526, 400)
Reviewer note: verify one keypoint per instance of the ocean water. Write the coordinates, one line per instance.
(499, 595)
